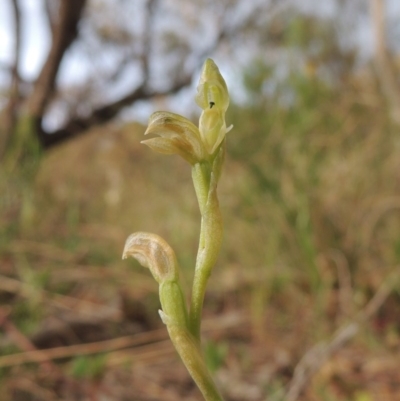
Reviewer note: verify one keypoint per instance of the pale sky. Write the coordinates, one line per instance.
(36, 38)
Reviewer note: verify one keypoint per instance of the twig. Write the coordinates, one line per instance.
(81, 349)
(315, 358)
(144, 354)
(38, 356)
(19, 339)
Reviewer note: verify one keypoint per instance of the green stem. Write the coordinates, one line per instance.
(198, 290)
(189, 350)
(174, 316)
(209, 246)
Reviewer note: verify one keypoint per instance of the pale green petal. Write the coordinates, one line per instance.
(171, 122)
(213, 128)
(172, 146)
(183, 134)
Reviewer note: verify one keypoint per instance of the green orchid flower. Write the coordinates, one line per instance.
(178, 135)
(203, 147)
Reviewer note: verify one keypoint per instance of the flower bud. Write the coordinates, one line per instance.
(212, 90)
(213, 97)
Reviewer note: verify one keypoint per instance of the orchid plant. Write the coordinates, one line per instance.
(203, 148)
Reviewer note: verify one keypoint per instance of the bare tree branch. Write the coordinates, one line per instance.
(76, 126)
(65, 33)
(10, 112)
(383, 63)
(105, 113)
(68, 19)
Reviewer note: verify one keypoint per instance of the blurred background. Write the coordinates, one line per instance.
(310, 197)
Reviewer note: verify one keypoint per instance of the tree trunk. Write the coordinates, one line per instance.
(384, 66)
(65, 32)
(10, 112)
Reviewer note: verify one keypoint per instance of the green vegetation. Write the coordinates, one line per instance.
(309, 195)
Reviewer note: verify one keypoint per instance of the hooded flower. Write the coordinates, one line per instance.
(176, 134)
